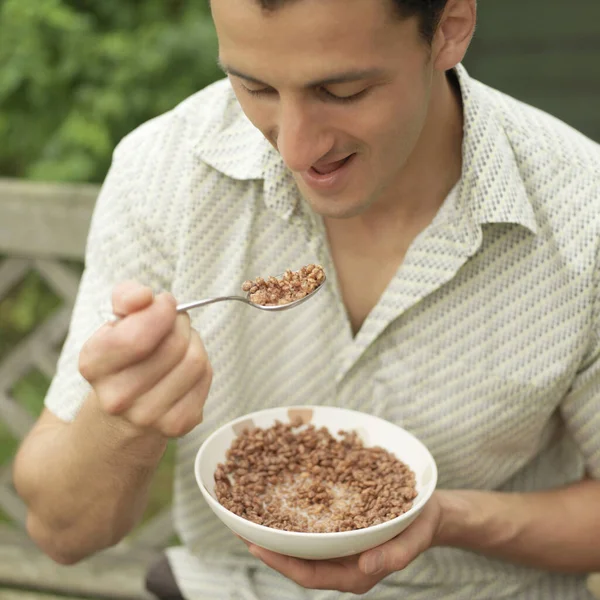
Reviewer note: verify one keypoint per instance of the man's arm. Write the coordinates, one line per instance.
(85, 483)
(556, 530)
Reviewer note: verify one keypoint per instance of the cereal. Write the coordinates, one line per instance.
(303, 479)
(292, 286)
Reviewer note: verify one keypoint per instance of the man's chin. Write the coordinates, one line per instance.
(343, 205)
(337, 208)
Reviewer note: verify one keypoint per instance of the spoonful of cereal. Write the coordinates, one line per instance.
(274, 293)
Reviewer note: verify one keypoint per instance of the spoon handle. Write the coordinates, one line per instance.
(189, 305)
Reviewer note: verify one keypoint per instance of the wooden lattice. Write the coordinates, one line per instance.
(42, 231)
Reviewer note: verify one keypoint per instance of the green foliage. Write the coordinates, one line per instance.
(77, 75)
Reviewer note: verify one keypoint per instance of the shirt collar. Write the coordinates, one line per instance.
(491, 188)
(227, 141)
(233, 146)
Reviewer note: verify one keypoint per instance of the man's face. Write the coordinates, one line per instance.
(339, 87)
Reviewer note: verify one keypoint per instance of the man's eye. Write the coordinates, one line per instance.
(341, 99)
(258, 92)
(322, 91)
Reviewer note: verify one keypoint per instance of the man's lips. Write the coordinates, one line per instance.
(329, 177)
(330, 167)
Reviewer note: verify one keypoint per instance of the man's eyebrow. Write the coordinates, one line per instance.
(346, 77)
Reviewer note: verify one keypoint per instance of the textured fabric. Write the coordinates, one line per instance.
(486, 343)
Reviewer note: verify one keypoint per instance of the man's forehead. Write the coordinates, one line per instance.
(273, 8)
(319, 25)
(308, 48)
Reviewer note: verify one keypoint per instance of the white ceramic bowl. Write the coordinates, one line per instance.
(372, 430)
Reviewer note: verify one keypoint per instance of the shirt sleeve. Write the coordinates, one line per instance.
(128, 239)
(581, 407)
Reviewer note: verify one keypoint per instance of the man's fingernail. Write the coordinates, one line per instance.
(374, 563)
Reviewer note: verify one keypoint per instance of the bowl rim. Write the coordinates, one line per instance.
(416, 508)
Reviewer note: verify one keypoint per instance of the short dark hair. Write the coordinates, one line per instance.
(428, 12)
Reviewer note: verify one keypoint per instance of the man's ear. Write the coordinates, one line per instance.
(454, 33)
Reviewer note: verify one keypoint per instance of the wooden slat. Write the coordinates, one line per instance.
(5, 474)
(19, 362)
(59, 277)
(15, 418)
(13, 506)
(111, 575)
(45, 360)
(45, 220)
(156, 533)
(6, 594)
(12, 271)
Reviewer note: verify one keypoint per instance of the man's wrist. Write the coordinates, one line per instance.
(144, 445)
(479, 521)
(456, 516)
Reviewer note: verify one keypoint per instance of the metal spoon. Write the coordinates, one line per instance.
(245, 299)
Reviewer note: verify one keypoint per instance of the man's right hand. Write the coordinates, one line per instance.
(150, 368)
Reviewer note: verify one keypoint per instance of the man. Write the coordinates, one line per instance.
(459, 229)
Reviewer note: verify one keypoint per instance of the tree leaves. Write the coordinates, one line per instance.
(78, 75)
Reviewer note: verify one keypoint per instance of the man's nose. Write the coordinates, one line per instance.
(301, 139)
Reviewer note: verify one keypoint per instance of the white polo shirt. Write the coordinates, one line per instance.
(485, 345)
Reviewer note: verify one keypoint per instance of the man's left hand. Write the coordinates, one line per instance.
(358, 574)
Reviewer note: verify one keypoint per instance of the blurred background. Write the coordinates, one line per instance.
(78, 75)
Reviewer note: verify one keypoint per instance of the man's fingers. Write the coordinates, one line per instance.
(129, 297)
(188, 374)
(149, 367)
(186, 414)
(129, 341)
(343, 575)
(118, 391)
(398, 553)
(296, 569)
